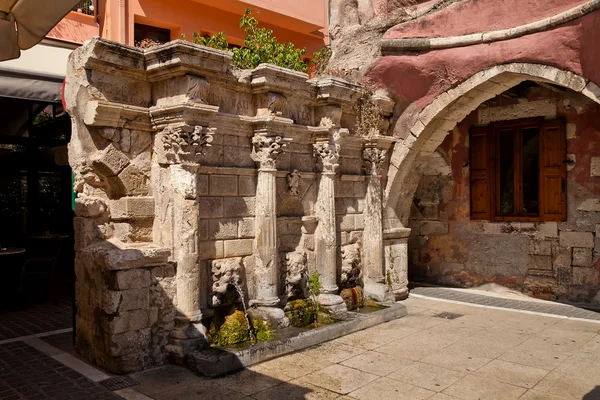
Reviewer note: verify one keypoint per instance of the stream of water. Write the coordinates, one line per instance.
(250, 327)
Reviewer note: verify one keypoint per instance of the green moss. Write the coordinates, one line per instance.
(300, 312)
(263, 330)
(231, 330)
(324, 316)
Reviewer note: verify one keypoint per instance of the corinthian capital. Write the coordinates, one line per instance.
(185, 144)
(328, 155)
(373, 159)
(266, 149)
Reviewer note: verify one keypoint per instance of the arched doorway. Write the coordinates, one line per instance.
(520, 247)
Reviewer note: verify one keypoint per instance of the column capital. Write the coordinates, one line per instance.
(373, 159)
(266, 149)
(374, 153)
(184, 144)
(327, 150)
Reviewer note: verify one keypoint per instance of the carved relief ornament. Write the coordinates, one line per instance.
(266, 149)
(373, 158)
(186, 143)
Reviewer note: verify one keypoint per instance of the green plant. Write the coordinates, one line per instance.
(369, 119)
(216, 41)
(320, 60)
(261, 46)
(314, 285)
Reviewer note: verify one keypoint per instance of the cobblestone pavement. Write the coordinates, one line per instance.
(525, 305)
(37, 318)
(26, 373)
(483, 353)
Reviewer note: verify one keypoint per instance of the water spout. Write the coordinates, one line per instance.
(250, 327)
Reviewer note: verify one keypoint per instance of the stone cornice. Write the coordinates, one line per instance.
(391, 47)
(108, 114)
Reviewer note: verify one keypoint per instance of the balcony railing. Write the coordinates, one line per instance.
(85, 7)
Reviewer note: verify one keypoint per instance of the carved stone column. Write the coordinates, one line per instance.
(182, 147)
(375, 285)
(327, 152)
(265, 151)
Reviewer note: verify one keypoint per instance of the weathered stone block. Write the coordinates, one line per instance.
(582, 257)
(238, 206)
(136, 278)
(210, 249)
(540, 247)
(210, 207)
(576, 239)
(346, 222)
(548, 229)
(344, 189)
(132, 208)
(110, 301)
(595, 166)
(237, 248)
(430, 211)
(359, 222)
(134, 299)
(128, 321)
(89, 207)
(110, 162)
(203, 229)
(541, 262)
(202, 185)
(135, 181)
(128, 342)
(585, 276)
(564, 276)
(360, 189)
(590, 205)
(223, 229)
(430, 228)
(246, 228)
(247, 185)
(223, 185)
(562, 257)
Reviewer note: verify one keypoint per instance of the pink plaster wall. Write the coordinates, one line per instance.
(304, 26)
(419, 78)
(481, 16)
(75, 27)
(465, 254)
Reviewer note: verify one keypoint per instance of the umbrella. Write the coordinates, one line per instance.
(24, 23)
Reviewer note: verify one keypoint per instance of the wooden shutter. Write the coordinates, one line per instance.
(479, 144)
(553, 171)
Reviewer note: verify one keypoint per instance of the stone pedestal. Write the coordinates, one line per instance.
(395, 245)
(375, 285)
(327, 152)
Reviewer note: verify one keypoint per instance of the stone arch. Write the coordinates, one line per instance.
(427, 128)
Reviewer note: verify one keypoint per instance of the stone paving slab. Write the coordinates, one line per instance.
(37, 318)
(420, 356)
(564, 310)
(26, 373)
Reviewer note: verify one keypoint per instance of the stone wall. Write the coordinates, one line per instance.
(194, 178)
(548, 260)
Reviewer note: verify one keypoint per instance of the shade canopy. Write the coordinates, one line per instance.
(24, 23)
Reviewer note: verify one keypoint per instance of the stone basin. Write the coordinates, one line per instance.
(215, 361)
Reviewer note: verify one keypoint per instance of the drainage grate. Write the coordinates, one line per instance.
(118, 382)
(448, 315)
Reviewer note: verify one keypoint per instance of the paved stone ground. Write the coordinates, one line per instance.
(526, 305)
(26, 373)
(483, 354)
(37, 318)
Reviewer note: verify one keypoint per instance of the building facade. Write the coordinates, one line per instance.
(495, 169)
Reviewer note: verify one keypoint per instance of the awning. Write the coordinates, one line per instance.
(24, 23)
(37, 75)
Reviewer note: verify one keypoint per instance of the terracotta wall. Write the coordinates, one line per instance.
(548, 260)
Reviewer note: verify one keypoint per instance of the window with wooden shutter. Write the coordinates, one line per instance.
(518, 171)
(553, 171)
(480, 174)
